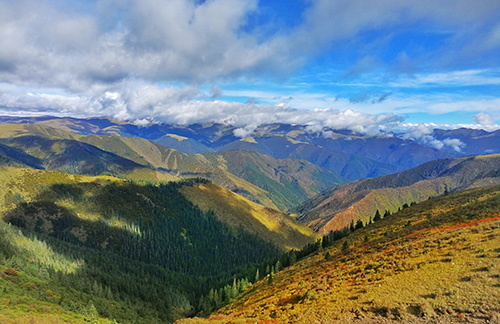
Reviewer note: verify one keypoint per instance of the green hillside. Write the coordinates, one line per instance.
(434, 262)
(239, 213)
(83, 248)
(348, 203)
(263, 179)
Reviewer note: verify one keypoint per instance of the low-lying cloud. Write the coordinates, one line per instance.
(184, 106)
(423, 134)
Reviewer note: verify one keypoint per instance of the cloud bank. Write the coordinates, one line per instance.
(48, 44)
(148, 59)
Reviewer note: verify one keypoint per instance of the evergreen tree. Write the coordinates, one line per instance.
(377, 216)
(345, 245)
(277, 266)
(359, 224)
(352, 228)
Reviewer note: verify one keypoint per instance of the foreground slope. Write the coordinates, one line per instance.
(100, 247)
(348, 203)
(435, 262)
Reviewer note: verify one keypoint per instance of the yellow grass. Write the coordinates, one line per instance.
(240, 213)
(249, 140)
(444, 274)
(177, 137)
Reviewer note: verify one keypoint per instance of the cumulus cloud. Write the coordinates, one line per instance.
(109, 58)
(178, 40)
(44, 43)
(484, 119)
(139, 101)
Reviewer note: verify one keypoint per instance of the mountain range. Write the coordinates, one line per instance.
(348, 154)
(105, 220)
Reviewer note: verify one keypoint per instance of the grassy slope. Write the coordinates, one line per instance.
(23, 252)
(281, 183)
(240, 213)
(27, 298)
(360, 200)
(435, 262)
(287, 181)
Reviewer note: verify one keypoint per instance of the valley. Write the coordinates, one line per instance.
(105, 221)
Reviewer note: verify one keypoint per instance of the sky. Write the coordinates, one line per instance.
(370, 66)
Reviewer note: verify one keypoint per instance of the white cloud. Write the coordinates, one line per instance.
(456, 144)
(423, 134)
(46, 44)
(452, 78)
(484, 119)
(135, 100)
(105, 60)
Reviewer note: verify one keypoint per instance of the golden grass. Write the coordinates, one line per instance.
(249, 140)
(240, 213)
(252, 189)
(177, 137)
(439, 274)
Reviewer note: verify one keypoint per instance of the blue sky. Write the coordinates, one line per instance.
(366, 65)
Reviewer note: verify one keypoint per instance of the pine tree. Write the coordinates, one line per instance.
(277, 266)
(345, 245)
(377, 216)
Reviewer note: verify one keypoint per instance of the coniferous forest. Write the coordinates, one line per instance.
(151, 257)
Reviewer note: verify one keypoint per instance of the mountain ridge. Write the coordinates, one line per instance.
(139, 158)
(353, 155)
(348, 203)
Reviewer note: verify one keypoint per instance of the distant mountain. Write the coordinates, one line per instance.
(263, 179)
(361, 199)
(89, 248)
(434, 262)
(346, 153)
(476, 141)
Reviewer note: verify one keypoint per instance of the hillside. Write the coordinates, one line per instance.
(263, 179)
(435, 262)
(91, 247)
(348, 203)
(241, 214)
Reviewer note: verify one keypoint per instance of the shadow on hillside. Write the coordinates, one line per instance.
(115, 263)
(143, 243)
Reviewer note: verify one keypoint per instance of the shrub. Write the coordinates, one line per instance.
(11, 272)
